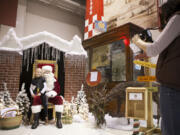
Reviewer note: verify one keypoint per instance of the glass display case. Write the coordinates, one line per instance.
(108, 53)
(110, 60)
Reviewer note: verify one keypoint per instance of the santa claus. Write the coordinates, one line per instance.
(52, 91)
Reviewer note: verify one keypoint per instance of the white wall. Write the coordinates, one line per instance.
(34, 16)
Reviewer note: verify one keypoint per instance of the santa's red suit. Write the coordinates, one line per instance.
(57, 100)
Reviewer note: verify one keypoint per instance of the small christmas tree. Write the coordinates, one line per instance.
(84, 111)
(81, 97)
(81, 102)
(8, 102)
(73, 106)
(1, 97)
(1, 100)
(23, 102)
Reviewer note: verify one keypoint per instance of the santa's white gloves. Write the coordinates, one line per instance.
(51, 94)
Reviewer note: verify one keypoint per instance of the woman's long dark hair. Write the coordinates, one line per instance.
(168, 10)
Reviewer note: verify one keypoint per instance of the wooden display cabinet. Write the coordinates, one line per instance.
(108, 54)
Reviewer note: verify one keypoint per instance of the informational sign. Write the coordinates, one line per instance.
(152, 89)
(93, 78)
(146, 78)
(136, 103)
(135, 96)
(101, 26)
(145, 64)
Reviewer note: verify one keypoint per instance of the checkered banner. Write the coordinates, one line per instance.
(94, 12)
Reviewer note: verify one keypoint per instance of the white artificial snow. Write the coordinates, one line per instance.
(117, 123)
(69, 129)
(11, 42)
(111, 122)
(75, 48)
(78, 127)
(77, 118)
(114, 126)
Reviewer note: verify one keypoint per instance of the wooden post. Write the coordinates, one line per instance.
(150, 129)
(147, 72)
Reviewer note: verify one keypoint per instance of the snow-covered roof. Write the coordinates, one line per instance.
(11, 42)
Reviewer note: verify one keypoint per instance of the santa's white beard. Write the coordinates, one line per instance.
(50, 81)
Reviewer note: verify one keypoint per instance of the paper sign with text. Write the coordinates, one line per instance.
(145, 64)
(146, 78)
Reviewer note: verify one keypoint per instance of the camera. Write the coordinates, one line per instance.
(146, 36)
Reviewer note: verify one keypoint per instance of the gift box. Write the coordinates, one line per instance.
(66, 119)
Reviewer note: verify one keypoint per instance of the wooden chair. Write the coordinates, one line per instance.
(40, 64)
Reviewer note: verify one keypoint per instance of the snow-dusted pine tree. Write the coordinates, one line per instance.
(84, 111)
(23, 102)
(1, 97)
(81, 97)
(73, 106)
(1, 100)
(81, 102)
(8, 102)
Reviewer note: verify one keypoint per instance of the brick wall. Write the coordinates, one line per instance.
(74, 74)
(10, 68)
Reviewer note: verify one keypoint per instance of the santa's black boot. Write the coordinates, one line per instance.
(58, 122)
(35, 121)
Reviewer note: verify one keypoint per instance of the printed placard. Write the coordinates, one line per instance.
(145, 64)
(152, 89)
(93, 77)
(135, 96)
(101, 26)
(146, 78)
